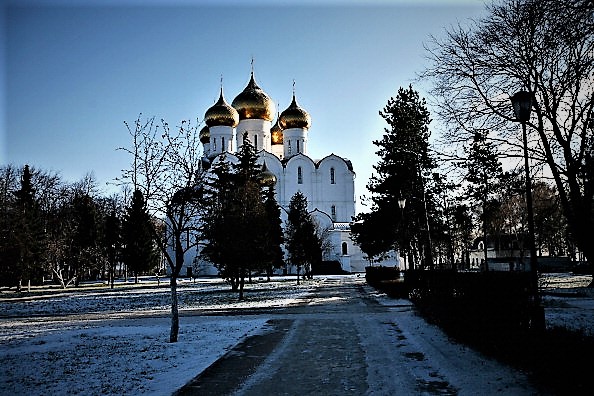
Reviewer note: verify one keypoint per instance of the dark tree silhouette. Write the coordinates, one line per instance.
(401, 173)
(303, 245)
(113, 243)
(139, 252)
(545, 47)
(484, 174)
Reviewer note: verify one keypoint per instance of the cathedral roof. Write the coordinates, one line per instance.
(294, 117)
(254, 103)
(266, 178)
(204, 135)
(221, 114)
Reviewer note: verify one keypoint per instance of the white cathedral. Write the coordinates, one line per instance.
(327, 183)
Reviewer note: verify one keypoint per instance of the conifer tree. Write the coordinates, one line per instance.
(302, 242)
(401, 173)
(113, 242)
(484, 173)
(139, 253)
(27, 233)
(234, 219)
(274, 234)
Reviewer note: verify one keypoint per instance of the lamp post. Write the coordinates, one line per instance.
(522, 104)
(401, 205)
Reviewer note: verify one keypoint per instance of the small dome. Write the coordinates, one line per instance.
(204, 135)
(266, 178)
(253, 103)
(276, 133)
(221, 114)
(294, 117)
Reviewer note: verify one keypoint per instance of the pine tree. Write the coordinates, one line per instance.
(27, 232)
(401, 173)
(234, 219)
(139, 253)
(274, 234)
(113, 242)
(302, 242)
(484, 173)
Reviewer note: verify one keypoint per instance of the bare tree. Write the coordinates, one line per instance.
(545, 47)
(166, 168)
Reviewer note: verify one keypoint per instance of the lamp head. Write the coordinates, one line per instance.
(522, 104)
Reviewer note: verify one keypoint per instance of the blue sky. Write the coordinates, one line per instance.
(73, 74)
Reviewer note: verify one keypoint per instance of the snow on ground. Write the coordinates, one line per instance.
(103, 341)
(122, 347)
(568, 303)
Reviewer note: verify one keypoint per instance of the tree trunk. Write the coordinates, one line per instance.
(298, 270)
(174, 310)
(241, 284)
(485, 248)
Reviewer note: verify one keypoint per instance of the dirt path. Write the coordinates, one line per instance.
(347, 343)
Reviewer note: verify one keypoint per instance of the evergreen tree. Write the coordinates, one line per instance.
(401, 173)
(139, 252)
(302, 242)
(84, 248)
(113, 243)
(234, 219)
(27, 232)
(274, 234)
(484, 174)
(217, 226)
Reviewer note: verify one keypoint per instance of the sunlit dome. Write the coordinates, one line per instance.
(294, 117)
(276, 133)
(204, 135)
(253, 103)
(221, 114)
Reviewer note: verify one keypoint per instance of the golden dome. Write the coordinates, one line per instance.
(294, 117)
(266, 178)
(276, 133)
(253, 103)
(204, 135)
(221, 114)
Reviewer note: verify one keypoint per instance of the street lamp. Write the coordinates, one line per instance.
(522, 103)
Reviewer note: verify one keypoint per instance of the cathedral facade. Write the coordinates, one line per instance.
(282, 146)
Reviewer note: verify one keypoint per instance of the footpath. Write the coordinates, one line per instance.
(346, 343)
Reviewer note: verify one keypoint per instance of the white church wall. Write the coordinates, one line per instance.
(336, 187)
(292, 179)
(258, 133)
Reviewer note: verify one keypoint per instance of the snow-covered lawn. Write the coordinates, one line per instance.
(568, 303)
(102, 341)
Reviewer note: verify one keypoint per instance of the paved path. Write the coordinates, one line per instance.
(345, 343)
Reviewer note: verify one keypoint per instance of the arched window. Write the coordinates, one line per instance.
(214, 144)
(333, 211)
(298, 148)
(344, 249)
(332, 176)
(256, 142)
(289, 150)
(223, 148)
(299, 176)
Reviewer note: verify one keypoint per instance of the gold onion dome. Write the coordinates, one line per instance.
(266, 178)
(253, 103)
(204, 135)
(221, 114)
(294, 117)
(276, 133)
